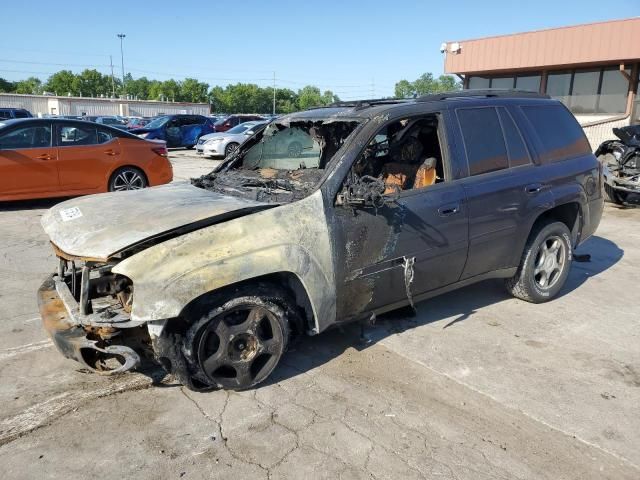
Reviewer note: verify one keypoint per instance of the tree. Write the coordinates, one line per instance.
(139, 87)
(7, 86)
(191, 90)
(62, 83)
(308, 97)
(92, 83)
(426, 84)
(31, 85)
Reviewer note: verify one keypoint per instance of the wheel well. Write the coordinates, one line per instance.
(568, 213)
(146, 179)
(284, 280)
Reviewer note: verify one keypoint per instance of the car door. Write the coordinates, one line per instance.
(173, 132)
(500, 171)
(84, 156)
(385, 256)
(190, 128)
(27, 160)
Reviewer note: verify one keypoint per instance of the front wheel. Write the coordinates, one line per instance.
(127, 178)
(545, 264)
(237, 344)
(230, 148)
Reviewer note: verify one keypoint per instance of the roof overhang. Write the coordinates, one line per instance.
(581, 45)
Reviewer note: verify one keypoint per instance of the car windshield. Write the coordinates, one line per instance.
(157, 123)
(283, 162)
(243, 127)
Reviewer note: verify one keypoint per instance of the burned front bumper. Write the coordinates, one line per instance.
(83, 337)
(628, 183)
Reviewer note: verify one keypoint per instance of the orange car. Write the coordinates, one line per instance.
(43, 157)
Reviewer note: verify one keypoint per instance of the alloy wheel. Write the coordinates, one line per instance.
(128, 179)
(550, 262)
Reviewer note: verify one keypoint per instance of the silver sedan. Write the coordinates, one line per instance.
(222, 144)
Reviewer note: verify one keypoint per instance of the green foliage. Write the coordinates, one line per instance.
(62, 83)
(6, 86)
(426, 84)
(31, 85)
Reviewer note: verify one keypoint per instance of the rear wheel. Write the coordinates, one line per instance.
(230, 148)
(614, 196)
(545, 264)
(238, 343)
(127, 178)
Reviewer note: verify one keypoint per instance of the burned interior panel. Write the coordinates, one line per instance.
(283, 162)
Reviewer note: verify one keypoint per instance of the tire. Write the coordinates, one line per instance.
(230, 148)
(547, 253)
(613, 196)
(294, 150)
(239, 341)
(127, 178)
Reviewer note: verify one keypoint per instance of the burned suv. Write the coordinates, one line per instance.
(621, 164)
(395, 202)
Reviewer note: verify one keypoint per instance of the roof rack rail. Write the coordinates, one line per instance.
(486, 93)
(365, 103)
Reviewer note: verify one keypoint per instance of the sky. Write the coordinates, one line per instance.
(357, 49)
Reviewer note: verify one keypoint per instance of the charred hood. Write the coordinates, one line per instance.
(100, 226)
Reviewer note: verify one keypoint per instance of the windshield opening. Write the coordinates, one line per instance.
(283, 162)
(157, 123)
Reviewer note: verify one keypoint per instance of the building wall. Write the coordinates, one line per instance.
(40, 105)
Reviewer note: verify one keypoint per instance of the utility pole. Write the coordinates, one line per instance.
(121, 37)
(113, 82)
(274, 93)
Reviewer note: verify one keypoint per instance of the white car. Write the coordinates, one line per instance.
(222, 144)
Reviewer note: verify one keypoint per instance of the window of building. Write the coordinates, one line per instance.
(483, 139)
(479, 82)
(502, 82)
(584, 94)
(559, 133)
(516, 148)
(588, 92)
(528, 82)
(613, 92)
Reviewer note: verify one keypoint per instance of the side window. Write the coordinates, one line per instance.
(104, 136)
(516, 148)
(483, 139)
(26, 137)
(559, 132)
(22, 114)
(77, 135)
(403, 155)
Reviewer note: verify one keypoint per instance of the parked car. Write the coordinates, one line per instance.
(112, 121)
(234, 120)
(621, 164)
(137, 123)
(56, 157)
(7, 113)
(176, 130)
(398, 201)
(225, 143)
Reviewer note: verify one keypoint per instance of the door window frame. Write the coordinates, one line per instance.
(17, 127)
(58, 127)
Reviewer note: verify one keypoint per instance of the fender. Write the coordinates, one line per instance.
(168, 276)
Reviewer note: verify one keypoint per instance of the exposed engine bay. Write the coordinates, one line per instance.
(621, 163)
(282, 163)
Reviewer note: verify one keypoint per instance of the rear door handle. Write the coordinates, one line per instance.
(111, 152)
(533, 188)
(448, 210)
(44, 156)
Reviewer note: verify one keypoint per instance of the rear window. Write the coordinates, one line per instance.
(483, 140)
(560, 135)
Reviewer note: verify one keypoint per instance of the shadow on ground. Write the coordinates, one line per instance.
(312, 352)
(17, 205)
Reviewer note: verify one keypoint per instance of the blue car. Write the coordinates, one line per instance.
(176, 130)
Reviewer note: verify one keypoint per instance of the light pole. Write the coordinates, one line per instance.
(121, 37)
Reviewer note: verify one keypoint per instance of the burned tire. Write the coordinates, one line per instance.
(127, 178)
(239, 341)
(613, 196)
(544, 265)
(230, 148)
